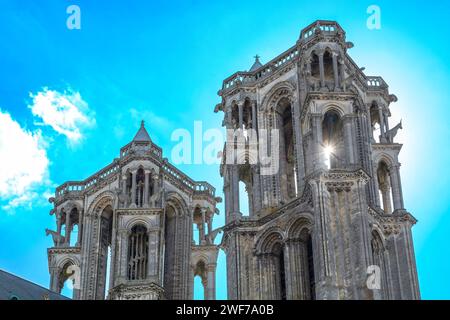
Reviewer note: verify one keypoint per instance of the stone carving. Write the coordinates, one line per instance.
(57, 238)
(213, 234)
(390, 135)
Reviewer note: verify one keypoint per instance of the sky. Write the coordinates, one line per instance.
(69, 99)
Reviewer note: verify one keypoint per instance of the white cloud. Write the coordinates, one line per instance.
(67, 113)
(24, 163)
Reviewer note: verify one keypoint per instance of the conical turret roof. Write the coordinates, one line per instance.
(142, 134)
(256, 65)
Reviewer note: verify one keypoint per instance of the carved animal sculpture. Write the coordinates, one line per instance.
(155, 198)
(213, 234)
(390, 135)
(58, 239)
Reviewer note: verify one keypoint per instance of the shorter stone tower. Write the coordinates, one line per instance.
(135, 222)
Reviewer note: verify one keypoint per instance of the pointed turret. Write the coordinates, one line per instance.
(256, 65)
(142, 134)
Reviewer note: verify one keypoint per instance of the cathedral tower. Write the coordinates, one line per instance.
(308, 138)
(135, 222)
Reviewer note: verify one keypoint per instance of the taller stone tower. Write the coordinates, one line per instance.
(308, 138)
(135, 222)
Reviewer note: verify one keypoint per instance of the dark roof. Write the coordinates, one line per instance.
(256, 65)
(13, 287)
(142, 134)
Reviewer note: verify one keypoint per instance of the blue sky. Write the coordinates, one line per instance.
(164, 62)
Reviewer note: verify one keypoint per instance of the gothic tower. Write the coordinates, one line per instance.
(135, 222)
(309, 140)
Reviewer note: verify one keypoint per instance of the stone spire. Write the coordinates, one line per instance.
(256, 65)
(142, 134)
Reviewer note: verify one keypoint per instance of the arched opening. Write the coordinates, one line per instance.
(67, 280)
(281, 271)
(271, 261)
(129, 185)
(301, 251)
(247, 115)
(74, 236)
(333, 140)
(287, 155)
(315, 69)
(198, 236)
(104, 249)
(137, 253)
(375, 122)
(245, 191)
(200, 281)
(244, 207)
(140, 183)
(378, 259)
(71, 227)
(328, 66)
(384, 186)
(234, 116)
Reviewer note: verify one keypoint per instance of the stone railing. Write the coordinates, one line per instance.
(243, 77)
(75, 187)
(330, 28)
(375, 83)
(195, 186)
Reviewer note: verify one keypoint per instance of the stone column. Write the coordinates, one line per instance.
(152, 259)
(382, 128)
(348, 138)
(80, 227)
(335, 71)
(229, 116)
(241, 114)
(209, 225)
(59, 222)
(303, 272)
(123, 237)
(68, 228)
(256, 191)
(202, 229)
(157, 186)
(376, 185)
(54, 279)
(235, 189)
(386, 122)
(146, 188)
(290, 270)
(124, 191)
(342, 67)
(254, 119)
(397, 196)
(210, 290)
(318, 159)
(321, 70)
(299, 153)
(385, 192)
(133, 189)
